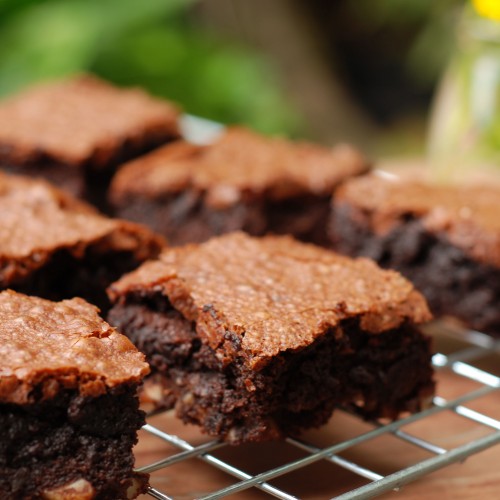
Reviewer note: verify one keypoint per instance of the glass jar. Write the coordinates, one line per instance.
(464, 131)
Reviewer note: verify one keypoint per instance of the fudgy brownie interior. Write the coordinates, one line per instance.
(70, 442)
(452, 281)
(374, 375)
(87, 180)
(186, 218)
(97, 180)
(303, 216)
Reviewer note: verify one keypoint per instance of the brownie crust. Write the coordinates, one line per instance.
(243, 333)
(241, 182)
(444, 239)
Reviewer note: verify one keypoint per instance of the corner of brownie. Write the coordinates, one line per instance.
(68, 402)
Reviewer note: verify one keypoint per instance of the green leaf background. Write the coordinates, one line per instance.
(152, 43)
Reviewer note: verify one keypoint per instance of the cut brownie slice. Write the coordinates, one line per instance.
(243, 181)
(254, 338)
(446, 239)
(75, 132)
(69, 410)
(56, 247)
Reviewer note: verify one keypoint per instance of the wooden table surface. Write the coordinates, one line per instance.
(478, 477)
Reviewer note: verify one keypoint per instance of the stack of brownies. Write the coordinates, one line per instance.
(231, 307)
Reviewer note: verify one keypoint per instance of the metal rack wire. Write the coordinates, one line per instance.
(474, 347)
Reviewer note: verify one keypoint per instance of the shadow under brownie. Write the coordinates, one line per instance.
(76, 132)
(254, 339)
(445, 239)
(69, 410)
(57, 247)
(243, 181)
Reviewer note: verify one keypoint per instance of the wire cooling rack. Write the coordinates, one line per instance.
(462, 359)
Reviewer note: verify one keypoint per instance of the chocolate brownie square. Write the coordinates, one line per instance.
(75, 132)
(242, 181)
(445, 239)
(254, 339)
(69, 410)
(57, 247)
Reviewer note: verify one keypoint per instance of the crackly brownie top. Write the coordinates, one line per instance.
(56, 345)
(239, 162)
(37, 220)
(79, 119)
(466, 214)
(274, 293)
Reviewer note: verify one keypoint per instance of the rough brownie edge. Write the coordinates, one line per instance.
(84, 271)
(68, 402)
(453, 282)
(375, 375)
(256, 286)
(57, 247)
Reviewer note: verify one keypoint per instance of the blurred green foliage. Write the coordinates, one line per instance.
(152, 43)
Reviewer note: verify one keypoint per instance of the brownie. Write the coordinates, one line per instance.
(75, 132)
(57, 247)
(445, 239)
(242, 181)
(69, 410)
(255, 339)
